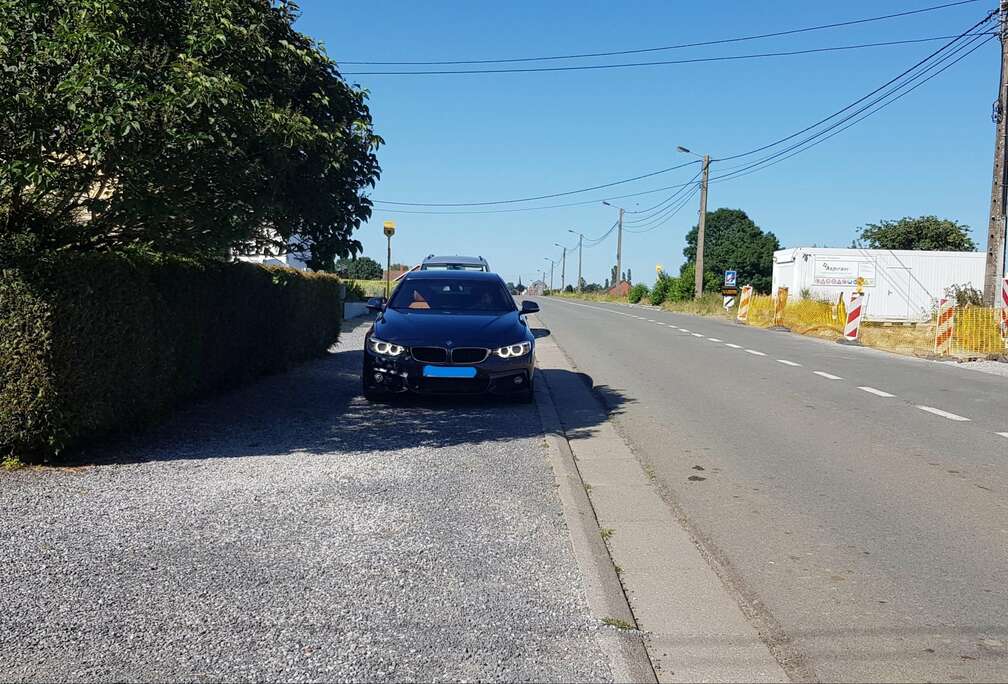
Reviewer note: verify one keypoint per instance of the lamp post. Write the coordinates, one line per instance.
(563, 265)
(580, 242)
(552, 264)
(698, 279)
(619, 243)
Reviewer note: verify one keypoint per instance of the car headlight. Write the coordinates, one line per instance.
(385, 348)
(513, 350)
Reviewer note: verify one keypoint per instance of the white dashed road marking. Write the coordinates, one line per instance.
(754, 352)
(828, 376)
(943, 414)
(876, 392)
(713, 339)
(788, 363)
(1003, 434)
(683, 330)
(733, 346)
(696, 335)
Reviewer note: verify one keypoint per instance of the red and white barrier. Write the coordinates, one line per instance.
(945, 327)
(743, 305)
(855, 314)
(1004, 307)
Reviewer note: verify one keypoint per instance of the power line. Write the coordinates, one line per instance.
(660, 205)
(627, 65)
(666, 47)
(983, 21)
(743, 172)
(548, 206)
(539, 197)
(668, 215)
(837, 127)
(599, 241)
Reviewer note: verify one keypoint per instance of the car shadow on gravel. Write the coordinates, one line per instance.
(317, 408)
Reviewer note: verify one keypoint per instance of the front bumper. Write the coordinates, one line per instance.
(405, 375)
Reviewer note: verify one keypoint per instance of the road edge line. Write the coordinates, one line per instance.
(628, 657)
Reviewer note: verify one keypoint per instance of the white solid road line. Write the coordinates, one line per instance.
(733, 346)
(828, 376)
(876, 392)
(754, 352)
(943, 414)
(788, 363)
(713, 339)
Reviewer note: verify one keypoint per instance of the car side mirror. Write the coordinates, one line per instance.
(529, 307)
(376, 304)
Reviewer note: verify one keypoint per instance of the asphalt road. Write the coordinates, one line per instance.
(858, 501)
(290, 531)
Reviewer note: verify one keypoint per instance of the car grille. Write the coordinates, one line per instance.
(430, 354)
(469, 354)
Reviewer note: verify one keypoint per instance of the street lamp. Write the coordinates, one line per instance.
(552, 264)
(698, 280)
(619, 243)
(580, 241)
(563, 265)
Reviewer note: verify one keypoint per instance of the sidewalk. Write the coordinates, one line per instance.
(290, 531)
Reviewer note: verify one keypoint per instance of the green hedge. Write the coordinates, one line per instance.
(95, 343)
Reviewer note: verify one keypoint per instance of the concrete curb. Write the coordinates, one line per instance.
(628, 657)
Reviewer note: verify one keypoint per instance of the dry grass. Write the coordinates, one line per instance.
(977, 331)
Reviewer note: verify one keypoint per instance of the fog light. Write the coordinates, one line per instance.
(518, 380)
(379, 378)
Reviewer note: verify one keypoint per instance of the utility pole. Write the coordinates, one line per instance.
(552, 264)
(581, 238)
(563, 265)
(619, 247)
(698, 281)
(996, 228)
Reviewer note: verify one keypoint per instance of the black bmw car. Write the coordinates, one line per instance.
(449, 332)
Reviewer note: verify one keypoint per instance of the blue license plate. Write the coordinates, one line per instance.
(449, 372)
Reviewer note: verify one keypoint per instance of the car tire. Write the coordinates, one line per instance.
(368, 392)
(528, 396)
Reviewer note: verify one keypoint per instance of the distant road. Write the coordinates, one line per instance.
(858, 500)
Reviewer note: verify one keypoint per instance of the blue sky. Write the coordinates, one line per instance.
(474, 138)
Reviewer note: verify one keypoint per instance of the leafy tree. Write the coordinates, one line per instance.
(179, 126)
(569, 288)
(629, 278)
(733, 241)
(361, 268)
(607, 283)
(921, 233)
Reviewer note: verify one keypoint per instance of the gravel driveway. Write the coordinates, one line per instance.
(290, 531)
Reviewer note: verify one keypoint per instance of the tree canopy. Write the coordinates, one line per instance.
(360, 268)
(733, 241)
(921, 233)
(178, 126)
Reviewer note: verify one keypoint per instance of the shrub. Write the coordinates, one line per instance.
(95, 343)
(662, 288)
(637, 293)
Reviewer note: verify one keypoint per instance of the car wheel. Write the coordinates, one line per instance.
(368, 391)
(528, 396)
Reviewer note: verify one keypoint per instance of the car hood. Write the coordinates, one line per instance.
(462, 329)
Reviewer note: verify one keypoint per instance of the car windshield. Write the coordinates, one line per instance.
(446, 294)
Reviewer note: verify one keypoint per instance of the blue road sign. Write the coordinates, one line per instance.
(729, 278)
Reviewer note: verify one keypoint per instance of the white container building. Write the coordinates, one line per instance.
(902, 285)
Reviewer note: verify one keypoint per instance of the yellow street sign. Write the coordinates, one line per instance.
(389, 228)
(658, 268)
